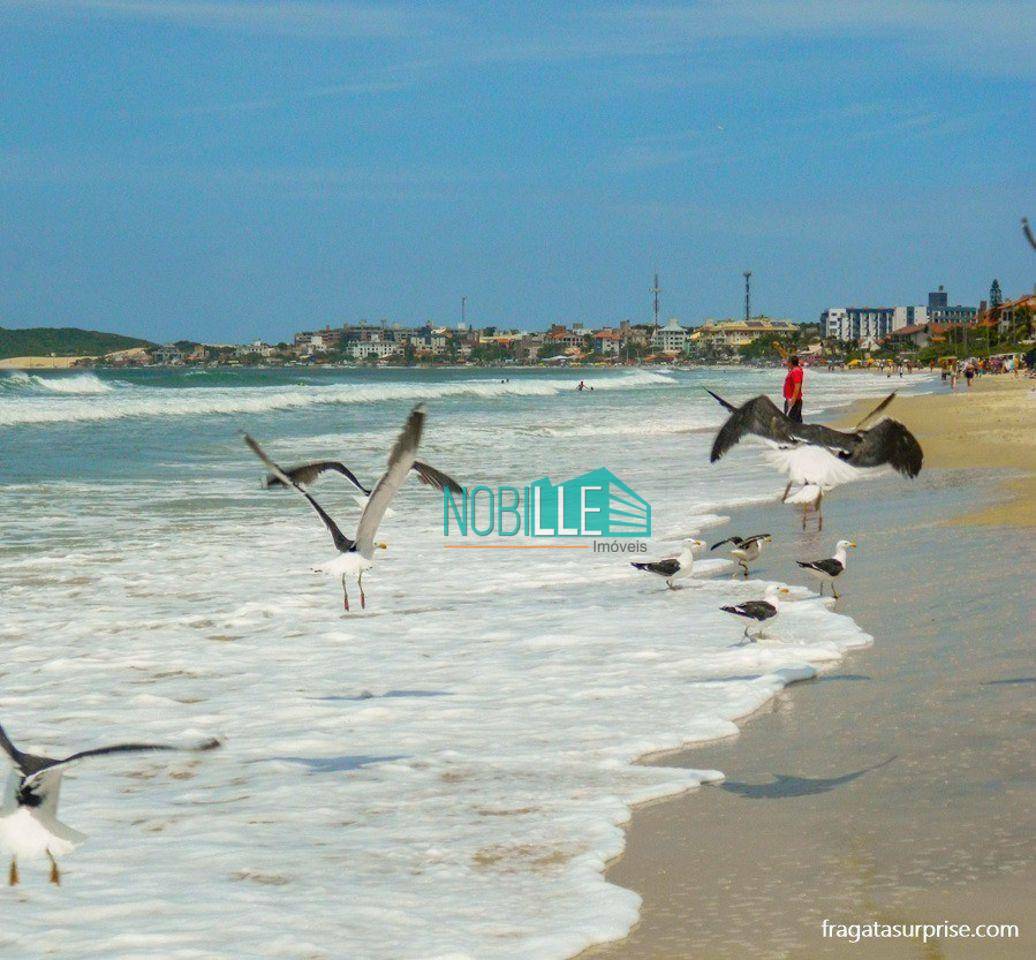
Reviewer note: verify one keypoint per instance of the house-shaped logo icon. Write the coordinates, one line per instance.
(595, 504)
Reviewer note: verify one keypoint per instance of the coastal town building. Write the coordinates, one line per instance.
(868, 326)
(739, 333)
(670, 339)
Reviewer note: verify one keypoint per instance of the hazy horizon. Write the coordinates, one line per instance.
(226, 171)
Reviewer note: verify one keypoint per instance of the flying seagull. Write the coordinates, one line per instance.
(831, 568)
(817, 458)
(759, 611)
(356, 556)
(306, 474)
(29, 825)
(675, 568)
(746, 550)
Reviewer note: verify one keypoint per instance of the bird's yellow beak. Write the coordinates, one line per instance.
(381, 546)
(852, 543)
(784, 590)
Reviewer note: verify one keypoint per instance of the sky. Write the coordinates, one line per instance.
(224, 170)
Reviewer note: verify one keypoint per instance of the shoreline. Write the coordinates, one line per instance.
(676, 848)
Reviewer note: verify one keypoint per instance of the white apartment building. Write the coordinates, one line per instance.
(361, 349)
(672, 338)
(868, 324)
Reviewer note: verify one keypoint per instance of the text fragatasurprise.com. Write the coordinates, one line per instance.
(875, 930)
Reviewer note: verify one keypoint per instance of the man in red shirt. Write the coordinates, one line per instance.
(793, 390)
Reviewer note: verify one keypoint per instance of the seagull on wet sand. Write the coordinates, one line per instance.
(29, 827)
(831, 568)
(817, 458)
(746, 550)
(675, 568)
(761, 611)
(356, 557)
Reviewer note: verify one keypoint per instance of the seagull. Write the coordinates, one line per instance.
(829, 569)
(356, 557)
(759, 610)
(745, 550)
(815, 457)
(306, 474)
(29, 826)
(675, 568)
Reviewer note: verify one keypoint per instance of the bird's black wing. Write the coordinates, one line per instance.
(436, 478)
(734, 540)
(830, 566)
(889, 442)
(118, 748)
(14, 754)
(759, 417)
(342, 543)
(821, 436)
(753, 539)
(307, 473)
(664, 568)
(753, 609)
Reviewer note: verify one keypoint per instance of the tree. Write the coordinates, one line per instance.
(995, 296)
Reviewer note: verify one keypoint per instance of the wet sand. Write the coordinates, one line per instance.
(898, 787)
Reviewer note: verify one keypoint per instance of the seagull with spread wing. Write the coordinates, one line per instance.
(29, 825)
(356, 556)
(306, 474)
(745, 550)
(816, 458)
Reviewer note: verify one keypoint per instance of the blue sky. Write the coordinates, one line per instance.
(226, 170)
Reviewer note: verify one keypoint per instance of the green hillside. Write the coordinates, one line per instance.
(63, 342)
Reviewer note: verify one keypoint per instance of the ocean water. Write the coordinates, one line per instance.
(443, 775)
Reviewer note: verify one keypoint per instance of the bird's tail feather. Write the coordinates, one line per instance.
(720, 400)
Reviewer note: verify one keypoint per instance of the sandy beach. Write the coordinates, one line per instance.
(899, 786)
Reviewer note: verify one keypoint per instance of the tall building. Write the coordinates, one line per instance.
(870, 325)
(865, 323)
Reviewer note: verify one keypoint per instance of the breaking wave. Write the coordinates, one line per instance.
(140, 401)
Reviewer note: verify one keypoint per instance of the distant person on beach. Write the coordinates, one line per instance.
(793, 389)
(582, 385)
(969, 374)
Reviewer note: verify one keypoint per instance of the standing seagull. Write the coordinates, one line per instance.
(829, 569)
(29, 825)
(675, 568)
(355, 557)
(818, 458)
(758, 610)
(746, 550)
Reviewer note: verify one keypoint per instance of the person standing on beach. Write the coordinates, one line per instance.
(793, 389)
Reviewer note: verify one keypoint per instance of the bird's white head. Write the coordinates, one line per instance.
(845, 545)
(776, 590)
(691, 544)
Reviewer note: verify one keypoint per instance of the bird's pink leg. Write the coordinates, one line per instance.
(345, 594)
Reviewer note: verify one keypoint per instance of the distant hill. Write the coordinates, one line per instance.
(63, 342)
